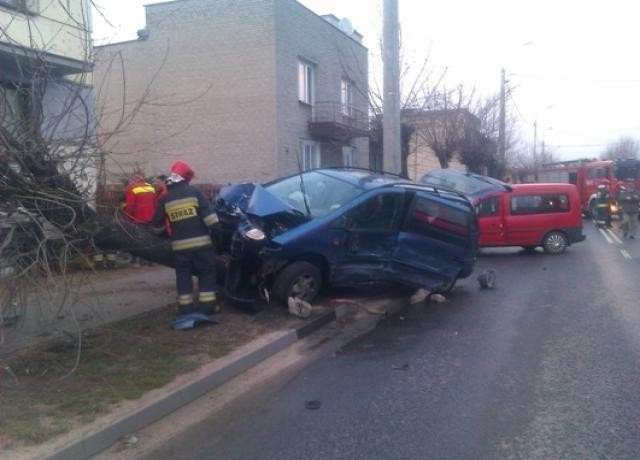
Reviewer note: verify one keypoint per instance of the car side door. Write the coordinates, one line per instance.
(370, 231)
(491, 219)
(437, 240)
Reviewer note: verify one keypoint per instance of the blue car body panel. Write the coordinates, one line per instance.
(395, 253)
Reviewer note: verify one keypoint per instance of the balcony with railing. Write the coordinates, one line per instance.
(333, 120)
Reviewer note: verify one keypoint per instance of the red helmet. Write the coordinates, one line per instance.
(183, 170)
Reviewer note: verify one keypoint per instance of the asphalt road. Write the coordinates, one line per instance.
(544, 366)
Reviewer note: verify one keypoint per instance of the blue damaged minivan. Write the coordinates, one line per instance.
(342, 227)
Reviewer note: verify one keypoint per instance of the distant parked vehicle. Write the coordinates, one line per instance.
(527, 215)
(586, 175)
(343, 226)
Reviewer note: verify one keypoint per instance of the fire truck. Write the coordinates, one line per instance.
(586, 175)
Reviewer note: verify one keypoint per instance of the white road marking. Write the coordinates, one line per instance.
(606, 237)
(614, 236)
(625, 254)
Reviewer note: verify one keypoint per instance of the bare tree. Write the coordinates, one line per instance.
(624, 147)
(51, 160)
(455, 123)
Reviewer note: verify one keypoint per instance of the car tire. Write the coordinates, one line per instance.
(301, 280)
(555, 242)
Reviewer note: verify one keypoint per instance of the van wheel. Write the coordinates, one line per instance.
(301, 280)
(555, 242)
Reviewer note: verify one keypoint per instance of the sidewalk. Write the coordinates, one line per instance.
(214, 355)
(104, 297)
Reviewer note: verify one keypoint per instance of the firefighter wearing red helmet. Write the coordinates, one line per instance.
(190, 218)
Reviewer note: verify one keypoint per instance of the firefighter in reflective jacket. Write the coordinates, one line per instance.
(140, 200)
(190, 217)
(602, 217)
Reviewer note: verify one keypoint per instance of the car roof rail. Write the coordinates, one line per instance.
(360, 168)
(431, 188)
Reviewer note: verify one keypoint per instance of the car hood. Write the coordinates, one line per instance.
(256, 201)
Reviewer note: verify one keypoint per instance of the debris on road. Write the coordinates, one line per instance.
(419, 296)
(437, 298)
(130, 440)
(376, 310)
(299, 308)
(487, 279)
(313, 404)
(401, 367)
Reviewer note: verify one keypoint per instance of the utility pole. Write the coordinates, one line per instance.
(535, 142)
(501, 128)
(392, 144)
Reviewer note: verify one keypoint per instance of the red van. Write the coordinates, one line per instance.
(527, 215)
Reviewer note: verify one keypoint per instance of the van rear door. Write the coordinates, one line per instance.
(434, 241)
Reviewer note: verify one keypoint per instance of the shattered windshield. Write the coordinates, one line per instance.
(323, 193)
(464, 183)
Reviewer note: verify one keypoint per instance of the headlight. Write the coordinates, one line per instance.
(255, 234)
(614, 208)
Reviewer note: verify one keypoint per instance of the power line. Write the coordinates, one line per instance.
(577, 145)
(573, 79)
(513, 101)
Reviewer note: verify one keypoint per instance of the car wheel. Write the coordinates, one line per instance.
(301, 280)
(555, 242)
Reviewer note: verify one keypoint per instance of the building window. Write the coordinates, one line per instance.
(309, 155)
(348, 155)
(305, 82)
(346, 97)
(21, 5)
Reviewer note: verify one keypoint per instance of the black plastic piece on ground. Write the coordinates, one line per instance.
(313, 405)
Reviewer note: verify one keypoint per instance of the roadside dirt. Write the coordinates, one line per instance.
(57, 385)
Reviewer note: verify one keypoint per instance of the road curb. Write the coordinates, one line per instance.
(106, 437)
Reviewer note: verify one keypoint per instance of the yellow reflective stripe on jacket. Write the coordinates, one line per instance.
(178, 210)
(191, 243)
(211, 219)
(143, 189)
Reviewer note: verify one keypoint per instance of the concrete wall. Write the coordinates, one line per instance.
(216, 84)
(63, 28)
(422, 159)
(204, 84)
(301, 34)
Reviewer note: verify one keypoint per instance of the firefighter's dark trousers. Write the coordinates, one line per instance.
(603, 215)
(201, 263)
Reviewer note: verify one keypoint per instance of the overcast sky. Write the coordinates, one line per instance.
(573, 65)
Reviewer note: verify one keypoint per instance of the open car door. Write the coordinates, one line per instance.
(435, 243)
